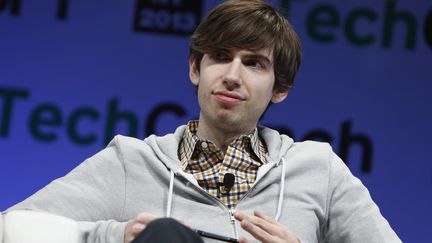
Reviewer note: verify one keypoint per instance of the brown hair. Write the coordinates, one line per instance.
(252, 25)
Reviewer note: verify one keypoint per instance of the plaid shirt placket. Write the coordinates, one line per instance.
(208, 164)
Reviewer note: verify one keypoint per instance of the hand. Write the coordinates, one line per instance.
(264, 228)
(136, 225)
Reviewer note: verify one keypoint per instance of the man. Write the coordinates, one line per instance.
(223, 174)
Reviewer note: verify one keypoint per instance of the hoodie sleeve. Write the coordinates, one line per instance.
(352, 216)
(92, 194)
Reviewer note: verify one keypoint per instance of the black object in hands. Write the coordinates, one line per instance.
(215, 236)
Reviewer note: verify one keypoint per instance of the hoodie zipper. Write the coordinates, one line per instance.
(230, 211)
(233, 222)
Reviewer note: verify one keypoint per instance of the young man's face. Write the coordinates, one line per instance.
(234, 88)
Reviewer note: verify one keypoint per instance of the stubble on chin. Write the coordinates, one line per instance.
(231, 123)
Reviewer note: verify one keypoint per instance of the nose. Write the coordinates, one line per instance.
(232, 77)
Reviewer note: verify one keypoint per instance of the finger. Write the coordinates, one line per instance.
(265, 217)
(272, 229)
(145, 218)
(276, 228)
(255, 231)
(183, 222)
(129, 238)
(257, 221)
(240, 216)
(134, 231)
(267, 224)
(137, 228)
(243, 240)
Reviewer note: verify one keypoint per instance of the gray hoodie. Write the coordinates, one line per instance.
(305, 186)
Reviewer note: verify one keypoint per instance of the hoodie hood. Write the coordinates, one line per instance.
(277, 144)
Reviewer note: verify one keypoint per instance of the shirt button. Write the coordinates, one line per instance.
(204, 145)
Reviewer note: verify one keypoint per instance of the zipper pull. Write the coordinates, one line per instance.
(231, 212)
(233, 222)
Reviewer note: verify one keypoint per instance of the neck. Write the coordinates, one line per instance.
(220, 134)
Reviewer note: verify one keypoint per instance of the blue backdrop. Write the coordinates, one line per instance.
(74, 73)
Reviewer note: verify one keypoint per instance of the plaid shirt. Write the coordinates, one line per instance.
(208, 164)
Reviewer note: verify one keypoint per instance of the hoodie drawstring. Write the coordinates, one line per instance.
(170, 194)
(281, 192)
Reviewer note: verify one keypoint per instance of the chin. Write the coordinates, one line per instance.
(231, 123)
(227, 116)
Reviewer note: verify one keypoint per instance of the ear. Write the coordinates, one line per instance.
(193, 71)
(278, 96)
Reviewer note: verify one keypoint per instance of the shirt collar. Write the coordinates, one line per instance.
(191, 141)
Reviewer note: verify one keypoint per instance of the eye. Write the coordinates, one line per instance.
(220, 56)
(255, 64)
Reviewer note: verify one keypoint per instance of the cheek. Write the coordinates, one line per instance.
(202, 93)
(264, 89)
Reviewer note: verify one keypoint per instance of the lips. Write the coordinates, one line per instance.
(228, 97)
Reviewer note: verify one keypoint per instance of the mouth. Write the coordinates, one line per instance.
(228, 97)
